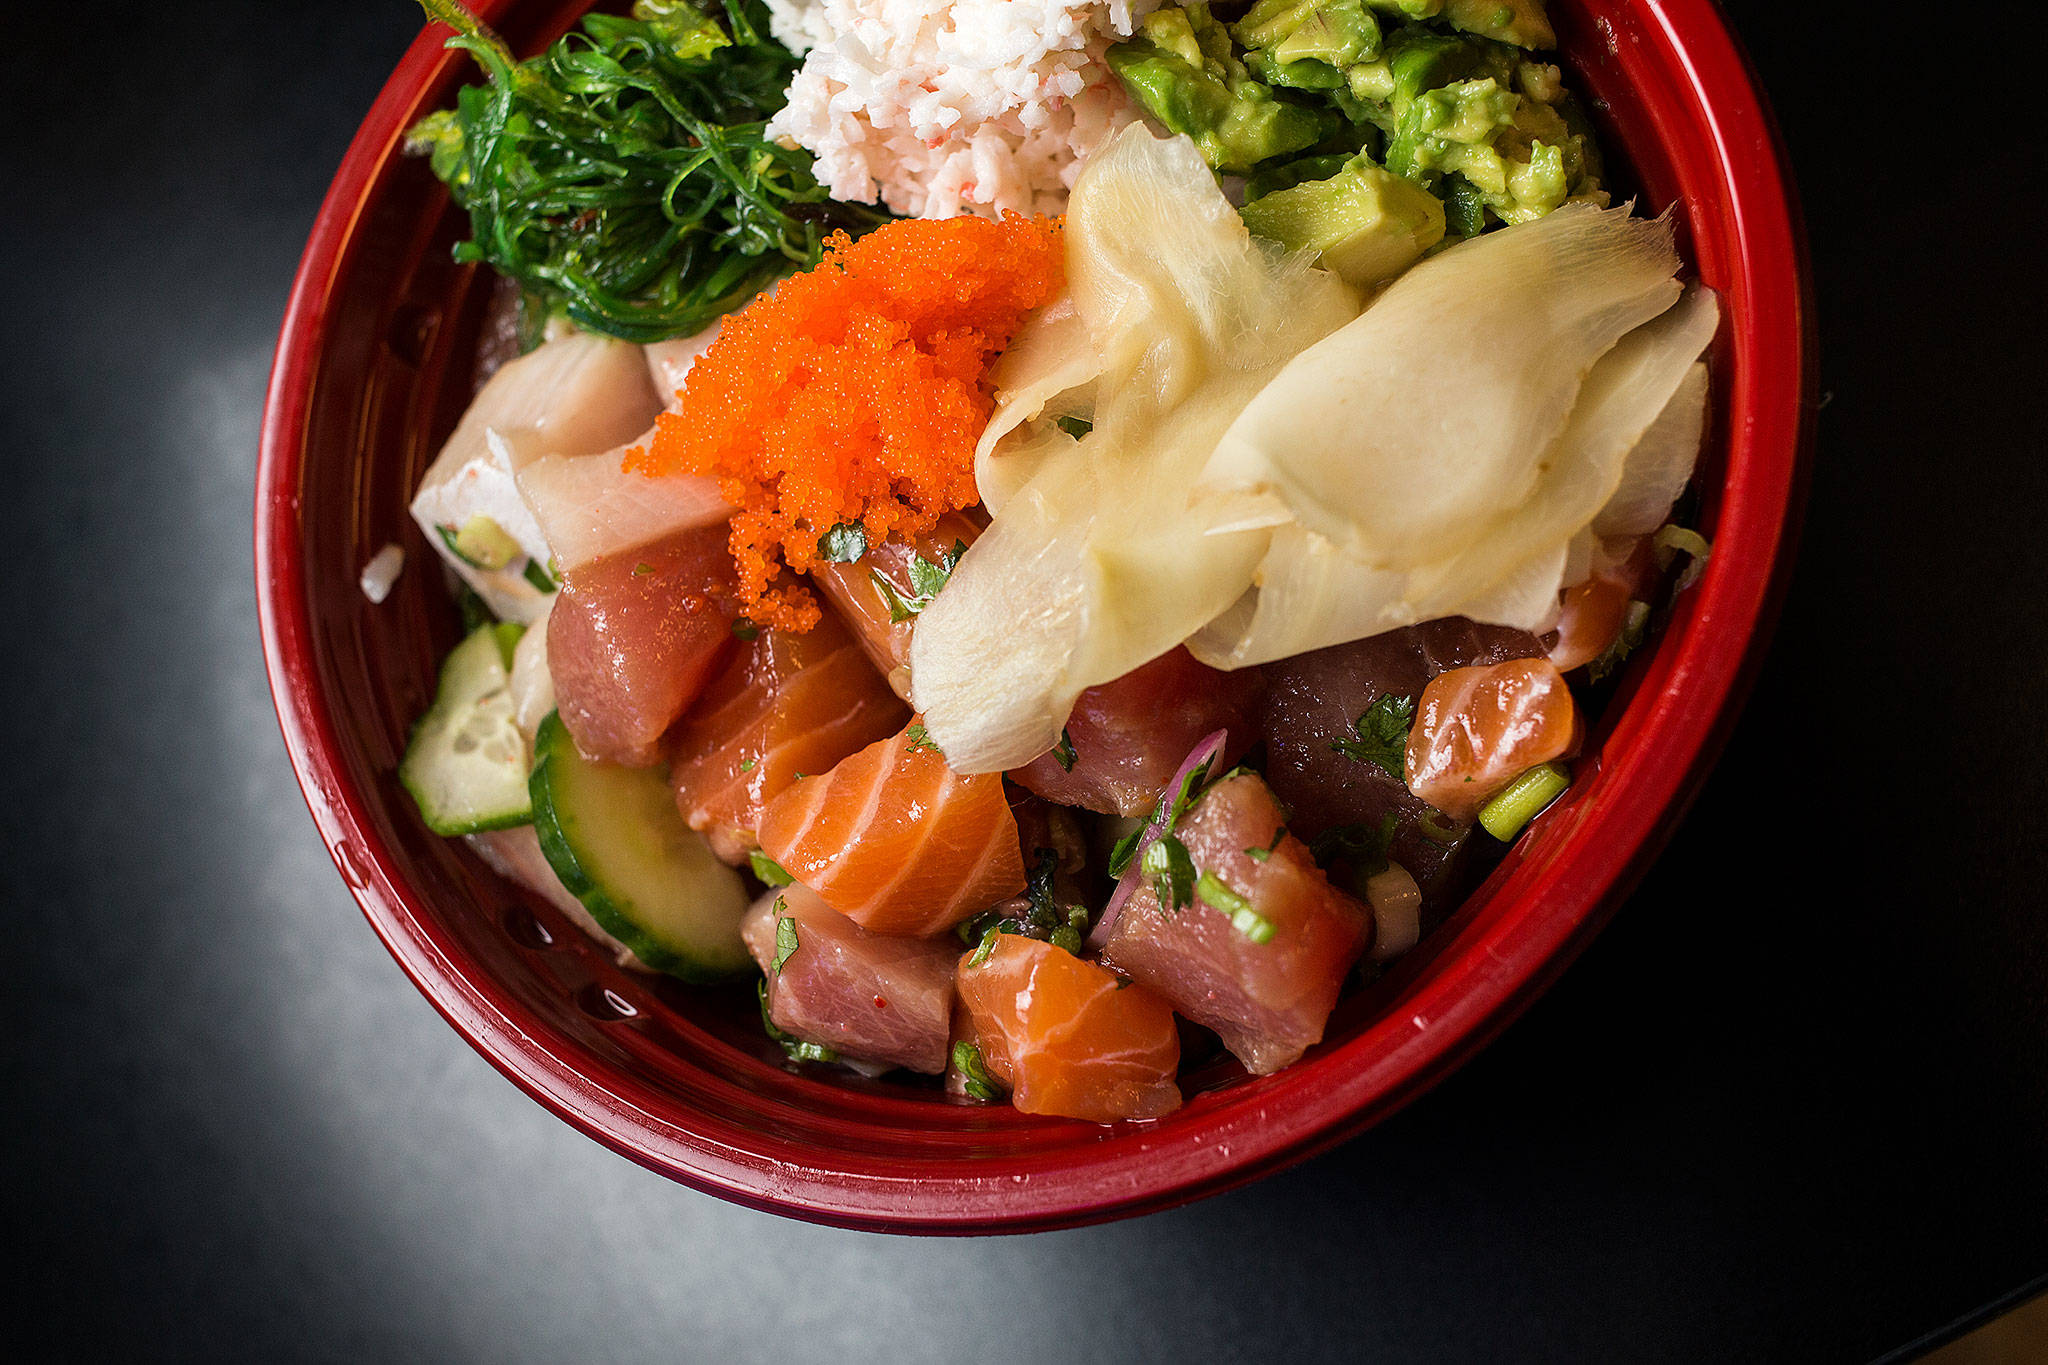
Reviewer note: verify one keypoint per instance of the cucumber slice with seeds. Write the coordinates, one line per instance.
(466, 763)
(617, 841)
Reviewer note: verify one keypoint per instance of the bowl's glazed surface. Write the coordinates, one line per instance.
(374, 366)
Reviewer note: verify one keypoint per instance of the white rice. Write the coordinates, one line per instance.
(381, 573)
(940, 107)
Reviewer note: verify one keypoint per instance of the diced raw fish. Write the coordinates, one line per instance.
(590, 506)
(633, 638)
(871, 997)
(1268, 1001)
(578, 395)
(1070, 1037)
(1129, 736)
(1478, 729)
(1315, 699)
(896, 840)
(784, 705)
(881, 625)
(1592, 613)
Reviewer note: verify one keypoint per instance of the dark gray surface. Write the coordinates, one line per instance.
(1791, 1106)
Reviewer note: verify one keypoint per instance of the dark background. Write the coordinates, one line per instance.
(1792, 1105)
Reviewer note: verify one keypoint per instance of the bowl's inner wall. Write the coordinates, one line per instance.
(397, 370)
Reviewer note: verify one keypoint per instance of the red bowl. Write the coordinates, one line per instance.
(373, 368)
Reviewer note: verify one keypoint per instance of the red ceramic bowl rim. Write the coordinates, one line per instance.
(1677, 720)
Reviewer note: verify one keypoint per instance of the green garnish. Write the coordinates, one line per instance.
(748, 765)
(624, 177)
(921, 738)
(1382, 735)
(926, 578)
(793, 1047)
(1525, 799)
(1364, 849)
(1120, 853)
(1043, 918)
(1438, 830)
(844, 543)
(746, 630)
(1672, 540)
(538, 576)
(1170, 870)
(642, 569)
(1063, 752)
(1634, 626)
(1076, 427)
(767, 869)
(1218, 895)
(1259, 855)
(785, 937)
(977, 1082)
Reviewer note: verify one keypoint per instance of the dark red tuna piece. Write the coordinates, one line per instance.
(1314, 700)
(1128, 736)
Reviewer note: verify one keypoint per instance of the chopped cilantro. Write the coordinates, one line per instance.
(1063, 752)
(926, 578)
(785, 937)
(748, 765)
(767, 869)
(1076, 427)
(920, 738)
(844, 543)
(746, 630)
(642, 569)
(1382, 735)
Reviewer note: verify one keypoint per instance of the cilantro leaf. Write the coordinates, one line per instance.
(767, 869)
(921, 738)
(926, 578)
(844, 543)
(785, 937)
(1382, 735)
(1063, 753)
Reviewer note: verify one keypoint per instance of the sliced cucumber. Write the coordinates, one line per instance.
(615, 838)
(466, 764)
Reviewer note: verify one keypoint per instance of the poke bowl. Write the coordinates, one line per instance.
(380, 356)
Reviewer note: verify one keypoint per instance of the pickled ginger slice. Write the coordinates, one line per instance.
(1407, 435)
(1095, 561)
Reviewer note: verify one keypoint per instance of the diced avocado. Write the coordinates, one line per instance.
(1520, 22)
(483, 544)
(1181, 67)
(1367, 224)
(1337, 33)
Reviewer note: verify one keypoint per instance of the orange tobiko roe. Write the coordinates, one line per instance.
(855, 392)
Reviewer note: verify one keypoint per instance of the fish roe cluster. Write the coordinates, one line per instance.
(855, 392)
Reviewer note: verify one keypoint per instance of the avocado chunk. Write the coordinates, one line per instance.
(1183, 70)
(1336, 33)
(1366, 224)
(1520, 22)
